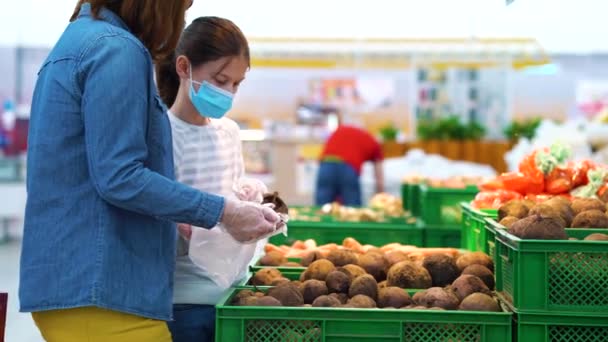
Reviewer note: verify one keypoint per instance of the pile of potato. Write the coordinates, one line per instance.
(548, 220)
(346, 279)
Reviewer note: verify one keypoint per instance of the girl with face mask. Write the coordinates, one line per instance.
(199, 83)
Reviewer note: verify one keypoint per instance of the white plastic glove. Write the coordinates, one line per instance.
(250, 190)
(248, 222)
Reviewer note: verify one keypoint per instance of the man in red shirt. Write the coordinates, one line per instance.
(340, 166)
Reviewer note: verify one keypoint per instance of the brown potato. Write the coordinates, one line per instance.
(442, 268)
(479, 302)
(590, 219)
(467, 284)
(266, 276)
(409, 275)
(365, 285)
(580, 205)
(537, 227)
(393, 297)
(474, 258)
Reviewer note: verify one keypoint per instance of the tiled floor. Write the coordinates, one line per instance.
(19, 326)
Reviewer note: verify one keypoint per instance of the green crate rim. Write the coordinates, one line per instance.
(547, 317)
(491, 213)
(351, 225)
(471, 189)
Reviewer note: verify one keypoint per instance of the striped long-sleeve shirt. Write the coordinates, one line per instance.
(208, 158)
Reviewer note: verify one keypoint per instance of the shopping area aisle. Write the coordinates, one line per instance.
(19, 327)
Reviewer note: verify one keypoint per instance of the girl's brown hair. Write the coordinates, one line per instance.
(206, 39)
(157, 23)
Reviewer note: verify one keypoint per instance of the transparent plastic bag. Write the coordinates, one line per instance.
(224, 259)
(218, 254)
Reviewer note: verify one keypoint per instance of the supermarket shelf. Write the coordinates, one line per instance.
(396, 53)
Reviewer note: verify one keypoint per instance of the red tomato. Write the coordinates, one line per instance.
(492, 185)
(536, 178)
(579, 172)
(515, 181)
(559, 181)
(494, 199)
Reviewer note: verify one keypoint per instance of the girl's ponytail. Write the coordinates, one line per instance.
(167, 79)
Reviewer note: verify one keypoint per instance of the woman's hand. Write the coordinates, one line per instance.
(248, 221)
(250, 190)
(185, 230)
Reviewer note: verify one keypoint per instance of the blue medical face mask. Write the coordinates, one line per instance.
(210, 101)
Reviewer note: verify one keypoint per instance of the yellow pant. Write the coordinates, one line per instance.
(91, 324)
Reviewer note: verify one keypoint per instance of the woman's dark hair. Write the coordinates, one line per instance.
(157, 23)
(206, 39)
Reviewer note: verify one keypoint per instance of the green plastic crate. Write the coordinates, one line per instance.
(441, 206)
(284, 324)
(373, 233)
(410, 195)
(560, 328)
(405, 190)
(442, 237)
(553, 275)
(474, 236)
(533, 326)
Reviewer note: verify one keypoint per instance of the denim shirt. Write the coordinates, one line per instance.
(101, 200)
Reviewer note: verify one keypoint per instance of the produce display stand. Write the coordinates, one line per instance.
(553, 276)
(475, 235)
(373, 233)
(269, 324)
(441, 206)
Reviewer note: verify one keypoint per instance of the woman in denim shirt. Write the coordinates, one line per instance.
(99, 239)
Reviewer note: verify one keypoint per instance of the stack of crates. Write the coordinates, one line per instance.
(439, 211)
(558, 289)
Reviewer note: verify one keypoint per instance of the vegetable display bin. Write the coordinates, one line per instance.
(272, 324)
(441, 206)
(532, 327)
(553, 275)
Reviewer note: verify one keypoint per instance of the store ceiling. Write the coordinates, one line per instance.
(565, 26)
